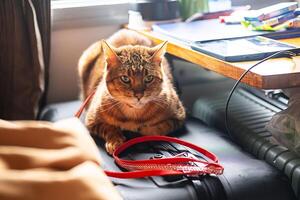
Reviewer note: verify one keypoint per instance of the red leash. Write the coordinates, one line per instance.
(180, 164)
(83, 105)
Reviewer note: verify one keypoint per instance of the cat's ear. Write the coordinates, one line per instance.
(159, 52)
(111, 56)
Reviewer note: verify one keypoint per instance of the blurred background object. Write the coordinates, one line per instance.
(142, 14)
(190, 7)
(156, 10)
(24, 61)
(219, 5)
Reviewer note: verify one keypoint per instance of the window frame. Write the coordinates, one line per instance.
(81, 13)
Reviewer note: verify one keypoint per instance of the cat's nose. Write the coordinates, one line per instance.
(139, 95)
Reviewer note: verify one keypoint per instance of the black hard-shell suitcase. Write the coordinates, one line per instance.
(244, 178)
(249, 111)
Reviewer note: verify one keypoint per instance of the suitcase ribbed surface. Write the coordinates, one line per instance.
(248, 116)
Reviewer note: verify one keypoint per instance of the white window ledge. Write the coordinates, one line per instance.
(79, 13)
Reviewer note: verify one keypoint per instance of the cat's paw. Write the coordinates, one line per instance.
(112, 145)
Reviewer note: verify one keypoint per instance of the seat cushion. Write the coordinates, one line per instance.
(58, 111)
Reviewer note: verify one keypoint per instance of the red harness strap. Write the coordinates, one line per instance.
(83, 105)
(177, 165)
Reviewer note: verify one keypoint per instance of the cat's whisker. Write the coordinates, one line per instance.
(106, 107)
(114, 104)
(108, 103)
(114, 107)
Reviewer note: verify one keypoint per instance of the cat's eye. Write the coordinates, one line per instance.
(125, 79)
(148, 79)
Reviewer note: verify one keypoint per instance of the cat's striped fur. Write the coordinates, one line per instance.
(134, 89)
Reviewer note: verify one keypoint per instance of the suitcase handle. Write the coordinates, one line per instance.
(175, 165)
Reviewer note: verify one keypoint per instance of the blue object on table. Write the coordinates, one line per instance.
(297, 12)
(275, 20)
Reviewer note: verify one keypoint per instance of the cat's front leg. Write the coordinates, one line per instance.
(161, 128)
(112, 135)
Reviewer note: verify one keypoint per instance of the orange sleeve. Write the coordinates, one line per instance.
(41, 160)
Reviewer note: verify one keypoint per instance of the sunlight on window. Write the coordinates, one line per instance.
(84, 3)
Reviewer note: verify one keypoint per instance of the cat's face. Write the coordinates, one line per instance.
(134, 73)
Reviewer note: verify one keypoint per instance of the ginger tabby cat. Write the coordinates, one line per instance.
(134, 89)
